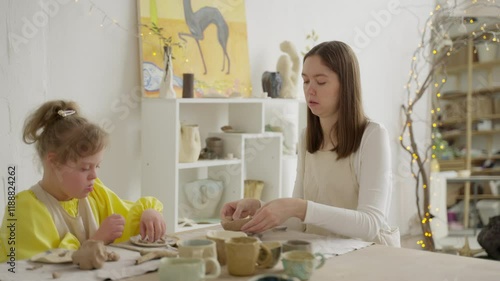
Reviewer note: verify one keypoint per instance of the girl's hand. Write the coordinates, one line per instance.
(275, 213)
(239, 209)
(152, 225)
(110, 229)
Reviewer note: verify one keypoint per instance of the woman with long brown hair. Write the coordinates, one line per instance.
(344, 181)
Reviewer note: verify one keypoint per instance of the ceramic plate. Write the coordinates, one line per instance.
(169, 240)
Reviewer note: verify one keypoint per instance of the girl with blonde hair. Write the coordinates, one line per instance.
(70, 204)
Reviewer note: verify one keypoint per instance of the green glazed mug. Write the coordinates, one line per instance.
(301, 264)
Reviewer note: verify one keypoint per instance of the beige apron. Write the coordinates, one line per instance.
(342, 185)
(83, 226)
(341, 190)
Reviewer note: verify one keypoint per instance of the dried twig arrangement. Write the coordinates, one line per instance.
(432, 54)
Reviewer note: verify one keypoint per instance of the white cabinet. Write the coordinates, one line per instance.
(257, 154)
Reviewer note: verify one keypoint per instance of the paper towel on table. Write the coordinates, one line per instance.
(329, 246)
(125, 267)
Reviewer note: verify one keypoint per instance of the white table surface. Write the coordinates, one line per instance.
(389, 264)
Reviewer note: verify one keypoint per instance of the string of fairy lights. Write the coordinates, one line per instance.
(435, 46)
(107, 20)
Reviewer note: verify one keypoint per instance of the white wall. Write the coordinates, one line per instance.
(64, 53)
(70, 56)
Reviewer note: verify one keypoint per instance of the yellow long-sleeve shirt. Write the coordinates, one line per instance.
(31, 230)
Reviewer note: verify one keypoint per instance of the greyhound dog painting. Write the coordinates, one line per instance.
(211, 36)
(199, 21)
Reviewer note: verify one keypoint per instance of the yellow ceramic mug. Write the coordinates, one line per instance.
(244, 254)
(220, 237)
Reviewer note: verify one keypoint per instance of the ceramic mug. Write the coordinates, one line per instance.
(301, 245)
(275, 248)
(301, 264)
(245, 254)
(220, 237)
(187, 269)
(215, 147)
(197, 248)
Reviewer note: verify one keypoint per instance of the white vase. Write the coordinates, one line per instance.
(167, 82)
(189, 144)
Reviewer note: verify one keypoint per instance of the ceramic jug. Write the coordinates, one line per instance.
(189, 143)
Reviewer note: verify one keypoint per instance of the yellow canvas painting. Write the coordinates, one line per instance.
(208, 38)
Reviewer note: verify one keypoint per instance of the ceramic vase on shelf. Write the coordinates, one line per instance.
(189, 144)
(253, 189)
(271, 83)
(167, 81)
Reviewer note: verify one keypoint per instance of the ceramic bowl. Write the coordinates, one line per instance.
(224, 234)
(234, 225)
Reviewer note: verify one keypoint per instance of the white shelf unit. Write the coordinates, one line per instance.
(257, 154)
(277, 113)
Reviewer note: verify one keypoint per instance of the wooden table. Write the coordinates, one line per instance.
(389, 264)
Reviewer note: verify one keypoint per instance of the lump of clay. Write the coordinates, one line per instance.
(92, 254)
(112, 256)
(234, 225)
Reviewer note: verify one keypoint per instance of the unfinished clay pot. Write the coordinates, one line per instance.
(234, 225)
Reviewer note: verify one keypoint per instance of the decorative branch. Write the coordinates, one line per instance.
(435, 46)
(311, 40)
(163, 41)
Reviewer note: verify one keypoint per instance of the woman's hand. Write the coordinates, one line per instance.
(110, 229)
(240, 209)
(276, 213)
(152, 225)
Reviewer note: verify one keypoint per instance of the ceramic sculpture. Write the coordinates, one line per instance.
(289, 67)
(271, 83)
(202, 198)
